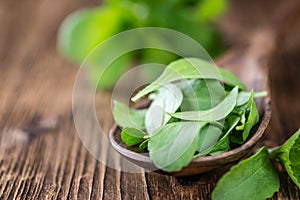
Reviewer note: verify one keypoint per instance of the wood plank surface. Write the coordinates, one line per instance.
(41, 156)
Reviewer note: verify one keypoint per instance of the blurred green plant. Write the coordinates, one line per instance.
(83, 30)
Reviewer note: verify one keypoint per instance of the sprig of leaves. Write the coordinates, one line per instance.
(256, 177)
(289, 155)
(252, 178)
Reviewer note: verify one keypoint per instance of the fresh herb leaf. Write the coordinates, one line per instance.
(208, 137)
(167, 100)
(245, 96)
(144, 144)
(252, 119)
(252, 178)
(174, 145)
(190, 68)
(248, 119)
(200, 94)
(132, 136)
(289, 155)
(216, 113)
(223, 144)
(127, 117)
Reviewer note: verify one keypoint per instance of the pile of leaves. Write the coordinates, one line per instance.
(196, 109)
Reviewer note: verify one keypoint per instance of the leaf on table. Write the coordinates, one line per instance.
(127, 117)
(289, 155)
(167, 100)
(216, 113)
(252, 178)
(132, 136)
(174, 145)
(190, 68)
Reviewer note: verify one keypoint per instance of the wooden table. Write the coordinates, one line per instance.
(41, 156)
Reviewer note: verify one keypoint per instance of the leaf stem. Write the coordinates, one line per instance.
(260, 94)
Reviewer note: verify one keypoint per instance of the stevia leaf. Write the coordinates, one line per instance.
(252, 178)
(167, 100)
(208, 137)
(200, 94)
(216, 113)
(132, 136)
(190, 68)
(174, 145)
(244, 97)
(252, 119)
(248, 119)
(144, 144)
(223, 144)
(289, 155)
(127, 117)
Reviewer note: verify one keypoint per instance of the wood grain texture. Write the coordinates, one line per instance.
(41, 156)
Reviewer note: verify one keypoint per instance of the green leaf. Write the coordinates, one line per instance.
(223, 144)
(252, 118)
(208, 138)
(144, 144)
(289, 155)
(244, 97)
(83, 30)
(127, 117)
(249, 118)
(167, 100)
(253, 178)
(174, 145)
(132, 136)
(190, 68)
(216, 113)
(200, 94)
